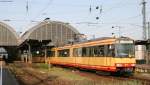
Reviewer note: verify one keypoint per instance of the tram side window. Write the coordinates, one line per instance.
(91, 51)
(109, 50)
(63, 53)
(51, 53)
(77, 52)
(101, 51)
(97, 51)
(87, 52)
(84, 51)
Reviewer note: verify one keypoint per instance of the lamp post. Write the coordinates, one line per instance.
(29, 52)
(45, 53)
(45, 21)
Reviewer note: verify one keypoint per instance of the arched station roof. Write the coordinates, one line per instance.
(58, 32)
(8, 37)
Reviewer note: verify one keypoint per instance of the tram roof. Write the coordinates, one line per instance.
(104, 38)
(95, 40)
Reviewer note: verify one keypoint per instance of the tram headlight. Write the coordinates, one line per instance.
(132, 64)
(119, 65)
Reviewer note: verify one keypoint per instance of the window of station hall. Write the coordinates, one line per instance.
(63, 53)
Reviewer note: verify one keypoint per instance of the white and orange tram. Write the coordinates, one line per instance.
(103, 54)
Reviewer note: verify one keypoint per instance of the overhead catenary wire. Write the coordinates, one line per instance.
(103, 11)
(42, 10)
(115, 6)
(27, 6)
(6, 1)
(129, 18)
(39, 13)
(115, 22)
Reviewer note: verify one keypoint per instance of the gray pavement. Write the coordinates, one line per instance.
(8, 78)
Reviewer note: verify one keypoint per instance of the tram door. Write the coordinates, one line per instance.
(109, 53)
(78, 55)
(106, 55)
(108, 61)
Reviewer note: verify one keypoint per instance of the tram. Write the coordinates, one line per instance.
(114, 55)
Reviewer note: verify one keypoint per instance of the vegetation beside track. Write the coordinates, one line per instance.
(41, 74)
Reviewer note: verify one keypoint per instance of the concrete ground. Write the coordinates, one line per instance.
(6, 77)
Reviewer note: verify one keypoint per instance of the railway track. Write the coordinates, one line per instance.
(142, 79)
(95, 76)
(29, 75)
(39, 78)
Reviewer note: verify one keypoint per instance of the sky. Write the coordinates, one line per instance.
(123, 14)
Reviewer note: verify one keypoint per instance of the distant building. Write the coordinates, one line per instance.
(142, 51)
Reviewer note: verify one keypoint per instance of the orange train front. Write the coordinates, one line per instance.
(103, 54)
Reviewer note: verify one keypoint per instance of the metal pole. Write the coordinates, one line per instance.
(119, 31)
(45, 46)
(46, 31)
(30, 56)
(144, 19)
(45, 54)
(29, 53)
(148, 53)
(148, 30)
(1, 71)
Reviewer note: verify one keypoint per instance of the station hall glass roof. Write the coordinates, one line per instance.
(8, 37)
(58, 32)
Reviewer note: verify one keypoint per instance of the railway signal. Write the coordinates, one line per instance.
(97, 8)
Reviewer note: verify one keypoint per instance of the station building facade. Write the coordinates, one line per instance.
(36, 42)
(8, 41)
